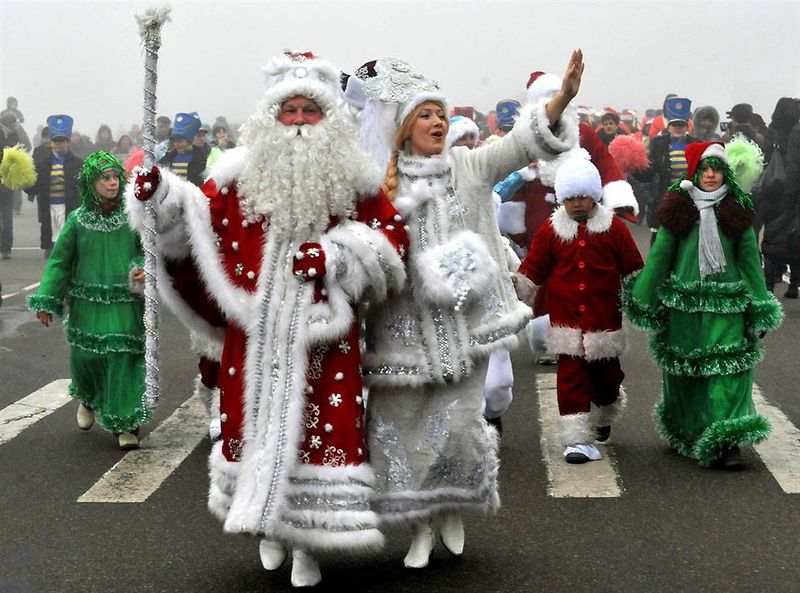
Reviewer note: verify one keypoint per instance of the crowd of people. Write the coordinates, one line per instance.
(356, 261)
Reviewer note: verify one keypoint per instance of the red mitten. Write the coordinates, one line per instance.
(146, 183)
(309, 262)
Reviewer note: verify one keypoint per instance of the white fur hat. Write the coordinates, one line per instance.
(296, 73)
(460, 126)
(578, 177)
(542, 85)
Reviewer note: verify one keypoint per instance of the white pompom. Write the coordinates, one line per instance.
(686, 185)
(147, 186)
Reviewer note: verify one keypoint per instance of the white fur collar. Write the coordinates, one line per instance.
(547, 170)
(567, 229)
(420, 166)
(229, 166)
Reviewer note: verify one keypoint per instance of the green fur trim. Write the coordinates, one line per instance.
(102, 344)
(100, 293)
(729, 433)
(671, 432)
(111, 422)
(642, 316)
(90, 217)
(706, 361)
(704, 296)
(766, 314)
(47, 303)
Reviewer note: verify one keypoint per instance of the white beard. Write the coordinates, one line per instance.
(301, 176)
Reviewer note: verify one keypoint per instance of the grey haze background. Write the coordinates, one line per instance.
(83, 57)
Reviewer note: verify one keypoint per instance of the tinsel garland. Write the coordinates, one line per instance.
(101, 293)
(46, 303)
(111, 422)
(90, 217)
(744, 199)
(643, 316)
(104, 343)
(705, 296)
(766, 314)
(708, 447)
(706, 361)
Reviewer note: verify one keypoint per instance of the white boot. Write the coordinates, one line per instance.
(272, 554)
(85, 417)
(422, 543)
(452, 531)
(305, 569)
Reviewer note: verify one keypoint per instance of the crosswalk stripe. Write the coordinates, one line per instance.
(780, 452)
(142, 471)
(30, 409)
(596, 479)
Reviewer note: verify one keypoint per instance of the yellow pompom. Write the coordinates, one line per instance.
(17, 170)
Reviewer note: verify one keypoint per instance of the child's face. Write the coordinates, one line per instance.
(579, 208)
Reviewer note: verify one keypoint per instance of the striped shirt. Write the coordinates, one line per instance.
(677, 160)
(57, 185)
(180, 166)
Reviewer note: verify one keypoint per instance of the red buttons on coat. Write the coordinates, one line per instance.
(582, 243)
(581, 286)
(581, 264)
(582, 308)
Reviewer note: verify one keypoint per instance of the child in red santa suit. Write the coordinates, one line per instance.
(583, 252)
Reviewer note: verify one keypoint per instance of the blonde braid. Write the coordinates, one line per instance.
(389, 186)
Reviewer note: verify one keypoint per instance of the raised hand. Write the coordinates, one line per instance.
(570, 85)
(146, 183)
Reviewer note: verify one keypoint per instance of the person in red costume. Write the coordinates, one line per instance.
(286, 237)
(583, 252)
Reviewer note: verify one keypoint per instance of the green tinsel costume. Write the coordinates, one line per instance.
(89, 269)
(704, 331)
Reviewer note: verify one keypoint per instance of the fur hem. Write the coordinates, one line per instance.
(728, 433)
(331, 320)
(564, 340)
(619, 194)
(607, 415)
(223, 476)
(321, 540)
(576, 430)
(533, 130)
(603, 345)
(208, 346)
(208, 395)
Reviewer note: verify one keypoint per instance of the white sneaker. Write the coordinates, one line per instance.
(272, 554)
(85, 417)
(422, 543)
(451, 530)
(305, 569)
(581, 453)
(128, 441)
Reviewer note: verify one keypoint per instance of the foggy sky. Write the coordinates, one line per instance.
(83, 58)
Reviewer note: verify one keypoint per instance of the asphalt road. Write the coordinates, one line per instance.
(675, 527)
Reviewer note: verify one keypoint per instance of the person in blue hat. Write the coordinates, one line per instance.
(184, 159)
(667, 158)
(507, 112)
(56, 190)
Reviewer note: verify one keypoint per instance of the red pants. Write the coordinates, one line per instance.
(581, 383)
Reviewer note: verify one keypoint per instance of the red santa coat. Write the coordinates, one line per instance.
(583, 265)
(292, 448)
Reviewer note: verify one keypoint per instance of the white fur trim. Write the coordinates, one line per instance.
(578, 178)
(417, 100)
(223, 476)
(330, 320)
(544, 87)
(565, 340)
(444, 273)
(532, 128)
(604, 345)
(461, 128)
(208, 348)
(607, 415)
(567, 229)
(229, 166)
(208, 395)
(717, 150)
(511, 218)
(549, 169)
(687, 185)
(619, 194)
(575, 429)
(398, 360)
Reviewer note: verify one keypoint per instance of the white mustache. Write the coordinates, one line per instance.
(295, 131)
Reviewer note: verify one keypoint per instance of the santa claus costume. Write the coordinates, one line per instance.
(583, 260)
(702, 296)
(287, 235)
(427, 347)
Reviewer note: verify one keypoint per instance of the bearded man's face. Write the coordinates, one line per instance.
(300, 111)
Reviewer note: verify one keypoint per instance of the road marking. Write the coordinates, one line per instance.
(142, 471)
(596, 479)
(780, 452)
(29, 410)
(24, 289)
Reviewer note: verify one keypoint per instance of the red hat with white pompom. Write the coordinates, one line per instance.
(695, 153)
(542, 85)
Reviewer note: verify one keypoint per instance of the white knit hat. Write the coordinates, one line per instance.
(578, 177)
(303, 74)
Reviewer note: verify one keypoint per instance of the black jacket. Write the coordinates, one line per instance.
(194, 171)
(41, 189)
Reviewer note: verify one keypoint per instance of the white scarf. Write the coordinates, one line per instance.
(710, 254)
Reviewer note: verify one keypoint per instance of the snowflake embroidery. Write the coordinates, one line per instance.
(375, 223)
(303, 456)
(311, 415)
(491, 307)
(334, 457)
(316, 442)
(313, 252)
(238, 269)
(335, 399)
(344, 347)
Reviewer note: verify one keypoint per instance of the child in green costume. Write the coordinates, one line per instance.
(96, 269)
(702, 295)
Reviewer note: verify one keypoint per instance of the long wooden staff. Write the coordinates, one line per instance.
(150, 23)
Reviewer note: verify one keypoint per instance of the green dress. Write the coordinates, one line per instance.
(704, 335)
(88, 270)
